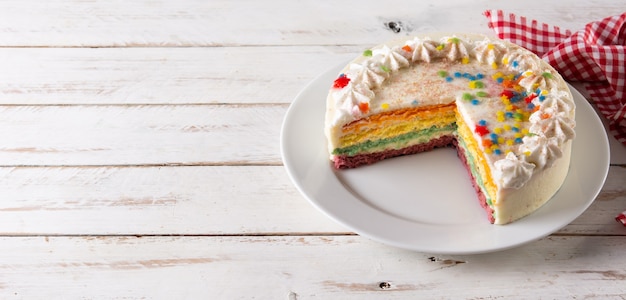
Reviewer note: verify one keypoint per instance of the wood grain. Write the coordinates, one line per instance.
(190, 75)
(140, 135)
(147, 23)
(349, 267)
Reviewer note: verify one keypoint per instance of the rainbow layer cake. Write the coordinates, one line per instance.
(509, 115)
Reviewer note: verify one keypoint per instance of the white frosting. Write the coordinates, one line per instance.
(519, 59)
(513, 172)
(455, 49)
(489, 52)
(422, 49)
(552, 123)
(535, 81)
(392, 59)
(541, 151)
(368, 73)
(557, 100)
(349, 99)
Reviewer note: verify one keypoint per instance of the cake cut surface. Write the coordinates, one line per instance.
(509, 114)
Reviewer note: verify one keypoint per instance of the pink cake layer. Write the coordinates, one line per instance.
(346, 162)
(481, 197)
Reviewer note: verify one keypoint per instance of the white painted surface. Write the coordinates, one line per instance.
(139, 158)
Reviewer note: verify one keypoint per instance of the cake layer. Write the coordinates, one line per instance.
(476, 182)
(477, 157)
(396, 123)
(376, 144)
(345, 162)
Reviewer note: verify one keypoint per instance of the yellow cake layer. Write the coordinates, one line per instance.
(396, 123)
(464, 133)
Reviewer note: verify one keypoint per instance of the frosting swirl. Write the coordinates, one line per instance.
(541, 151)
(489, 52)
(422, 50)
(513, 172)
(369, 73)
(551, 123)
(391, 59)
(455, 49)
(349, 99)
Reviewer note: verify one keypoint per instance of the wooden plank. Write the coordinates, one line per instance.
(162, 75)
(209, 200)
(101, 23)
(155, 200)
(345, 267)
(142, 134)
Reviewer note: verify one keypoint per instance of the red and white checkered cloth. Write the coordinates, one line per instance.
(595, 56)
(621, 218)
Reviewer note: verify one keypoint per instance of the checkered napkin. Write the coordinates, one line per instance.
(595, 56)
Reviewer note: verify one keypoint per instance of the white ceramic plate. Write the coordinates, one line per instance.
(426, 202)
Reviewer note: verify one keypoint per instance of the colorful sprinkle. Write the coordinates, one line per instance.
(500, 116)
(508, 94)
(453, 40)
(480, 76)
(547, 75)
(364, 107)
(367, 52)
(407, 48)
(467, 96)
(449, 79)
(515, 64)
(414, 102)
(530, 98)
(385, 106)
(475, 102)
(482, 123)
(442, 73)
(385, 69)
(494, 65)
(505, 60)
(482, 94)
(481, 130)
(465, 60)
(497, 152)
(341, 82)
(475, 84)
(457, 74)
(440, 47)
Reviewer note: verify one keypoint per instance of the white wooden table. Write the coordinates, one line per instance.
(139, 158)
